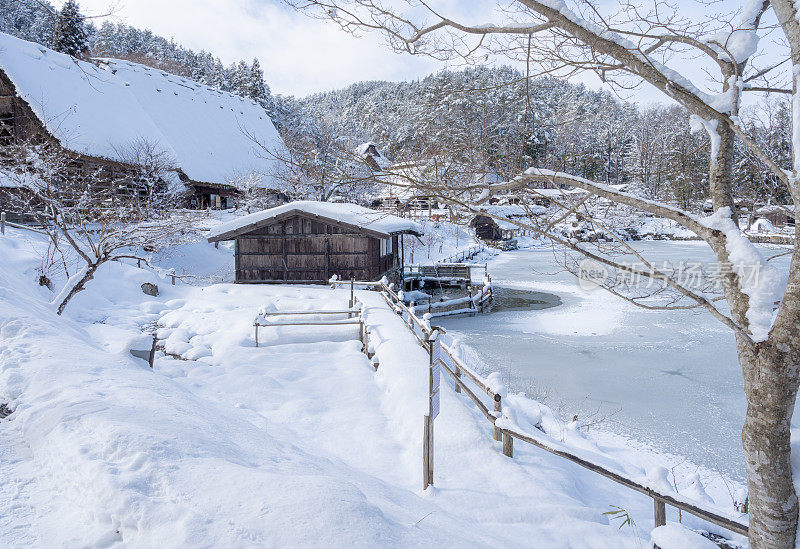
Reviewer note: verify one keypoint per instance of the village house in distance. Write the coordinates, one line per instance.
(101, 109)
(309, 242)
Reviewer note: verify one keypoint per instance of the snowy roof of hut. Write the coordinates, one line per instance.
(353, 215)
(775, 208)
(100, 108)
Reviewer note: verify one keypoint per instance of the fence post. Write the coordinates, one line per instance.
(2, 222)
(457, 371)
(660, 512)
(173, 279)
(498, 407)
(362, 333)
(433, 410)
(508, 445)
(256, 326)
(352, 283)
(427, 470)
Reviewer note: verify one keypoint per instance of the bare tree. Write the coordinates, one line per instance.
(319, 164)
(102, 213)
(634, 45)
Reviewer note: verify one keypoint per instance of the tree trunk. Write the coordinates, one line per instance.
(720, 170)
(770, 377)
(78, 287)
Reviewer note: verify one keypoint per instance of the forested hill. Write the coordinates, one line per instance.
(494, 118)
(489, 101)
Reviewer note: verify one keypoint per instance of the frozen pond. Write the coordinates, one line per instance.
(670, 378)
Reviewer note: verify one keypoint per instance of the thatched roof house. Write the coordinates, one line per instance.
(100, 109)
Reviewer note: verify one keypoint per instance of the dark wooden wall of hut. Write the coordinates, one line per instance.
(486, 228)
(302, 249)
(17, 121)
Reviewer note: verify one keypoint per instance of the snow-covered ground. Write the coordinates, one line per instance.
(296, 442)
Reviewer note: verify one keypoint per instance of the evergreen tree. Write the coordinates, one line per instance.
(71, 35)
(256, 88)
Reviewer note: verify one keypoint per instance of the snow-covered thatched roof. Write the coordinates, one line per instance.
(101, 109)
(370, 149)
(348, 214)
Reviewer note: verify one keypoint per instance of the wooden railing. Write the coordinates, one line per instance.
(506, 432)
(463, 255)
(420, 328)
(478, 299)
(354, 317)
(4, 223)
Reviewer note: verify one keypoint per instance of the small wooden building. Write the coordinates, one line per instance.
(496, 222)
(308, 242)
(780, 216)
(486, 228)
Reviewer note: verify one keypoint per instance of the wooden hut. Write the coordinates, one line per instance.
(495, 222)
(308, 242)
(486, 228)
(780, 216)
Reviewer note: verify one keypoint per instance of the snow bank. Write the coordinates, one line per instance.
(674, 536)
(106, 451)
(763, 225)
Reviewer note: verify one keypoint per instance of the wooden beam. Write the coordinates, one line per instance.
(342, 312)
(343, 322)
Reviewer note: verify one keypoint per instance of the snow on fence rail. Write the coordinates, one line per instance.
(463, 255)
(507, 431)
(477, 300)
(4, 223)
(355, 316)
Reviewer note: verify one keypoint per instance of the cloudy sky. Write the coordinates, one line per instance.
(299, 55)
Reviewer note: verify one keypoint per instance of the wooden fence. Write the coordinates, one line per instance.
(355, 317)
(507, 433)
(476, 302)
(463, 255)
(4, 223)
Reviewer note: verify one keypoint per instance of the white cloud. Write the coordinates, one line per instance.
(299, 55)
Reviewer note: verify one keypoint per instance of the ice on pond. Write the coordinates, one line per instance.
(669, 379)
